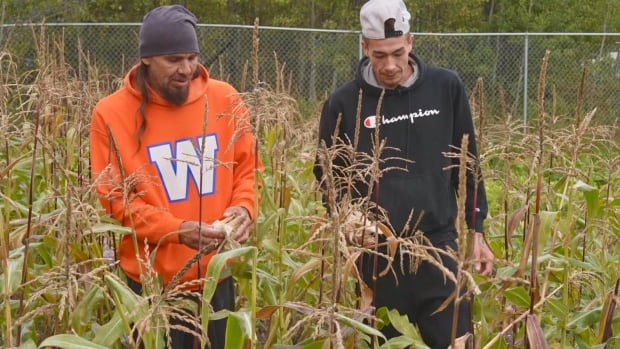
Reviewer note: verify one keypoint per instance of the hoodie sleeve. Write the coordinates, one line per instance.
(247, 161)
(476, 202)
(119, 192)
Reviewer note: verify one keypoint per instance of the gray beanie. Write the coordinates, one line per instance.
(168, 30)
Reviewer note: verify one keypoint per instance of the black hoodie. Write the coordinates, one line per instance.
(419, 123)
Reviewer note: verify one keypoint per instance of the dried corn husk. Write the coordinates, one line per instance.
(607, 316)
(361, 231)
(535, 335)
(229, 226)
(463, 342)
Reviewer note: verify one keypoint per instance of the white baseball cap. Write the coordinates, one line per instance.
(375, 18)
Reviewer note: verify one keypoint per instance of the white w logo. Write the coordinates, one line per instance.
(174, 168)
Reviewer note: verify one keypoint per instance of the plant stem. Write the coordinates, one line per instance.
(26, 241)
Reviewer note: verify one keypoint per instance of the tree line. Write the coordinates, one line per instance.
(427, 16)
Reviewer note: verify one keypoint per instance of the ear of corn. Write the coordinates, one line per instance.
(229, 227)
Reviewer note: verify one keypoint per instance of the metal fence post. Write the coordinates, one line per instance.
(359, 47)
(526, 50)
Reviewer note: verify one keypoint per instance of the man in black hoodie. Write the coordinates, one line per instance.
(424, 114)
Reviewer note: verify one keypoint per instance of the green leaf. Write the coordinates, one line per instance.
(518, 296)
(315, 344)
(111, 331)
(130, 308)
(410, 335)
(360, 326)
(591, 195)
(86, 308)
(557, 308)
(238, 329)
(109, 227)
(585, 319)
(126, 295)
(587, 265)
(43, 251)
(214, 270)
(29, 344)
(506, 271)
(403, 342)
(402, 324)
(548, 220)
(318, 344)
(69, 341)
(12, 275)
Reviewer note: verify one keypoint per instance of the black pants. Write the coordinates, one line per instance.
(418, 295)
(223, 298)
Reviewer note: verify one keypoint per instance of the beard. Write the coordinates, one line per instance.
(165, 87)
(176, 96)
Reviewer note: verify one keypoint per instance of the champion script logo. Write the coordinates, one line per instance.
(371, 121)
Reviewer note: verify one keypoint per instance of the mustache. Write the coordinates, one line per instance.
(191, 76)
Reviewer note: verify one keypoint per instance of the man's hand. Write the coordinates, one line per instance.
(243, 232)
(199, 235)
(482, 255)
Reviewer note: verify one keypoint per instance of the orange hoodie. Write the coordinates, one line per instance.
(161, 175)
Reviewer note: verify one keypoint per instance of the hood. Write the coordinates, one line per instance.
(197, 87)
(371, 89)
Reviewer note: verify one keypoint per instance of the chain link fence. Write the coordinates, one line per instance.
(314, 62)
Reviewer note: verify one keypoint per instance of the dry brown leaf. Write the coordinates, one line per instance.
(516, 217)
(535, 336)
(605, 330)
(266, 312)
(463, 342)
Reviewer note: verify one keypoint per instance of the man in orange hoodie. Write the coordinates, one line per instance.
(172, 151)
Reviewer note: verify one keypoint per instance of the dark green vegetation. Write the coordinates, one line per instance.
(427, 16)
(554, 224)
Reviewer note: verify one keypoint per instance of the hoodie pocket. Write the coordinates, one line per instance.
(409, 198)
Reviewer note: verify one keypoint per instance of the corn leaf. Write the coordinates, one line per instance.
(238, 330)
(70, 341)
